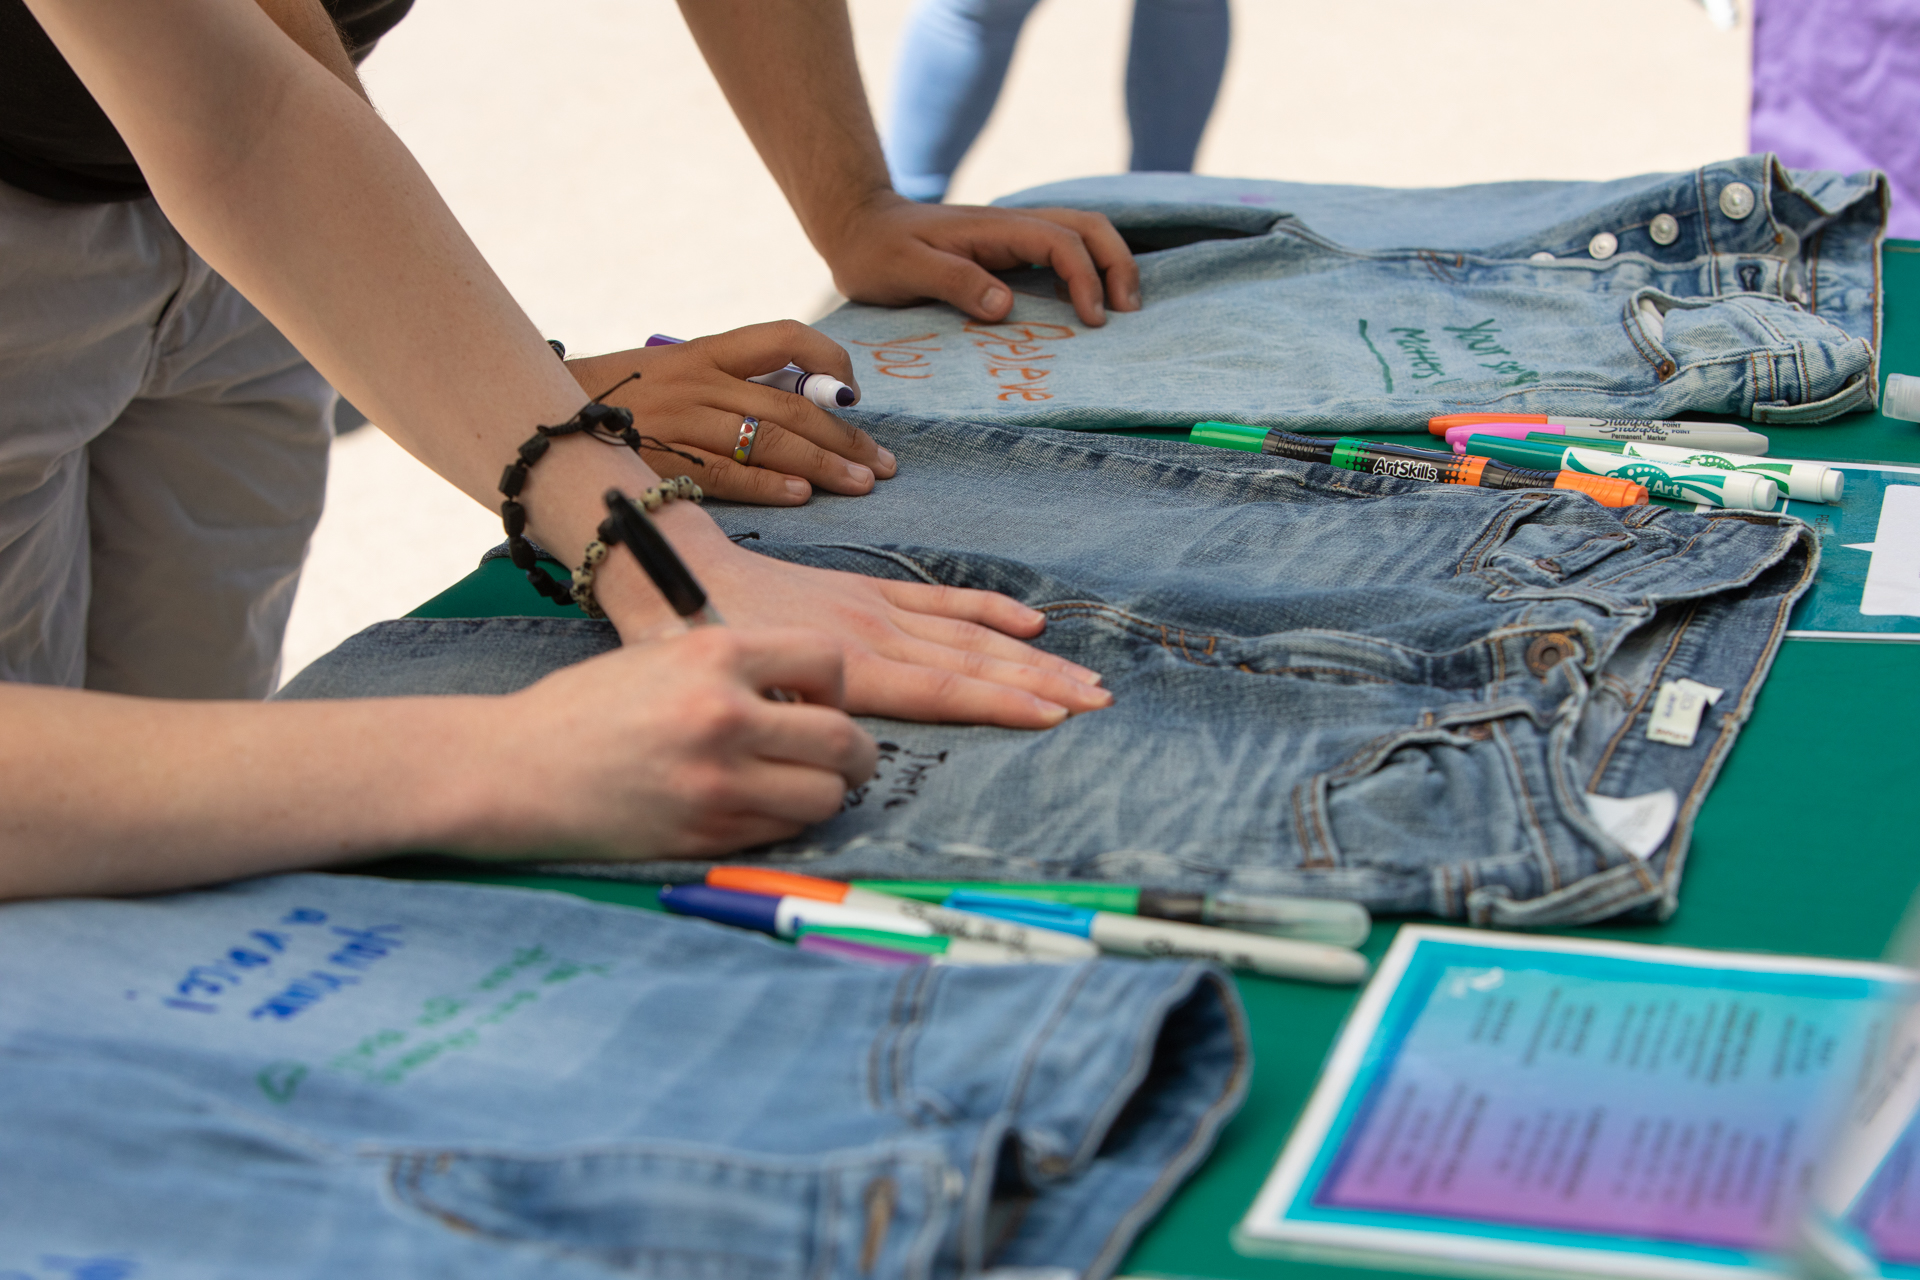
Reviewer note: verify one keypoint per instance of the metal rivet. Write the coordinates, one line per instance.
(1603, 246)
(1665, 370)
(1664, 229)
(1549, 651)
(1542, 256)
(1736, 200)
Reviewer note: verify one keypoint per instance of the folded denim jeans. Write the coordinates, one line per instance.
(325, 1076)
(1428, 698)
(1738, 289)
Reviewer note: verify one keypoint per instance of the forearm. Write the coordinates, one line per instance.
(107, 794)
(292, 188)
(789, 71)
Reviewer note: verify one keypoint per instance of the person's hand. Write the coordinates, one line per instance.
(913, 651)
(670, 749)
(694, 394)
(892, 251)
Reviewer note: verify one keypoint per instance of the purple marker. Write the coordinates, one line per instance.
(825, 391)
(858, 952)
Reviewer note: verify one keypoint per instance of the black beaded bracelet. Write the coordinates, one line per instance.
(606, 423)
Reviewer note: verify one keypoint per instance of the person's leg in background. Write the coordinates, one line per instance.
(953, 61)
(1176, 56)
(203, 495)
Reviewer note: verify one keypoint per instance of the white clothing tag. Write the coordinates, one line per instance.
(1639, 823)
(1677, 709)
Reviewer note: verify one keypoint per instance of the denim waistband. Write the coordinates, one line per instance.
(1740, 288)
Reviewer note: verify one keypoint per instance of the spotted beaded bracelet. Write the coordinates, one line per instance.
(650, 500)
(608, 424)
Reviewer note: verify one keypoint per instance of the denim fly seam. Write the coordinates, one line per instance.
(1737, 289)
(1326, 682)
(399, 1078)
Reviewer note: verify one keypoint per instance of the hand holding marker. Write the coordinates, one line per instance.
(1065, 928)
(827, 392)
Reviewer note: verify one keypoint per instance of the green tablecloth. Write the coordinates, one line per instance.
(1807, 844)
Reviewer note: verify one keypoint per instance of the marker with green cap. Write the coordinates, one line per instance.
(1402, 462)
(1736, 490)
(1800, 481)
(1344, 924)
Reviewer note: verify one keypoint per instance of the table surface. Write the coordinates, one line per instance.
(1805, 844)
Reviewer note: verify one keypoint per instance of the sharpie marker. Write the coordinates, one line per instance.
(1033, 943)
(1735, 490)
(1802, 481)
(1137, 936)
(1344, 924)
(940, 950)
(781, 917)
(1656, 430)
(825, 391)
(1725, 439)
(1413, 464)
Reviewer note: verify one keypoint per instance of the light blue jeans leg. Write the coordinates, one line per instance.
(1174, 63)
(953, 60)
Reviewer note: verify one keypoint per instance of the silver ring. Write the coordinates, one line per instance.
(743, 447)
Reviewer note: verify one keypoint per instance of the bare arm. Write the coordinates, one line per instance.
(788, 67)
(108, 794)
(291, 187)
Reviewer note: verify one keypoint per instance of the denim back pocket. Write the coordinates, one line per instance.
(689, 1213)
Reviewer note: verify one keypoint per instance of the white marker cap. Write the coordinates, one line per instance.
(1831, 485)
(1750, 491)
(1903, 398)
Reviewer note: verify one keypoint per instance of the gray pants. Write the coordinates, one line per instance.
(163, 459)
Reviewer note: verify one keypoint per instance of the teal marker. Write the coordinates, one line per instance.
(1801, 481)
(1735, 490)
(1344, 924)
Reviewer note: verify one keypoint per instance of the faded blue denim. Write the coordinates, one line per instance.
(1325, 308)
(330, 1076)
(1326, 682)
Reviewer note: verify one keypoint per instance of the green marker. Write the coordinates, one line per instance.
(1801, 481)
(1344, 924)
(1735, 490)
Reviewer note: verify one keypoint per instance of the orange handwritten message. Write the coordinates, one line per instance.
(1015, 355)
(897, 359)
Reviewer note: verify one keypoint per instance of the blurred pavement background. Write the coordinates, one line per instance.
(592, 158)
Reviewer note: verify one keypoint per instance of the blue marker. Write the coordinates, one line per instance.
(781, 917)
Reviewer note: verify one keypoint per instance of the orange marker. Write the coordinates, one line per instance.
(1031, 942)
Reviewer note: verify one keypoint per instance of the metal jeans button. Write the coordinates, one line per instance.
(1549, 651)
(1542, 256)
(1603, 246)
(1736, 200)
(1664, 229)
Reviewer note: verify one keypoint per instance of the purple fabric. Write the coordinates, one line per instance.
(1836, 85)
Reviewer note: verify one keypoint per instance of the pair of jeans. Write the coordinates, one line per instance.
(1738, 289)
(325, 1076)
(953, 60)
(1428, 698)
